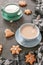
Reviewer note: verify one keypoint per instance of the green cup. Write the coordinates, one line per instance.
(10, 10)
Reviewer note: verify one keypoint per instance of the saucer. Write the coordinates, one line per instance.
(30, 43)
(19, 15)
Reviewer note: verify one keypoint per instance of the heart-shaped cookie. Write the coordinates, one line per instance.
(8, 33)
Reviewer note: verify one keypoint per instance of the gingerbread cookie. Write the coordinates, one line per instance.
(30, 58)
(8, 33)
(1, 49)
(28, 12)
(15, 49)
(22, 3)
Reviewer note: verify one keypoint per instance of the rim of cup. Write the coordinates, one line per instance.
(32, 25)
(12, 12)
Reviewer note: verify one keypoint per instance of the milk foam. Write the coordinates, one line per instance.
(11, 8)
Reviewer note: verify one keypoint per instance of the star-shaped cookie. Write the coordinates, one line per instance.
(8, 33)
(1, 47)
(28, 12)
(30, 58)
(22, 3)
(15, 49)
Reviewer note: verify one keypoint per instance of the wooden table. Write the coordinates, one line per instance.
(7, 43)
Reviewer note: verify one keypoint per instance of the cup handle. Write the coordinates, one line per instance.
(19, 13)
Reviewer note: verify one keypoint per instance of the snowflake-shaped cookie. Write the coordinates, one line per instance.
(30, 58)
(15, 49)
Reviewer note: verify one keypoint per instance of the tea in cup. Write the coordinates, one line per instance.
(29, 31)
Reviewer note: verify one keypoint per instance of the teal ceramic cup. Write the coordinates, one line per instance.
(10, 10)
